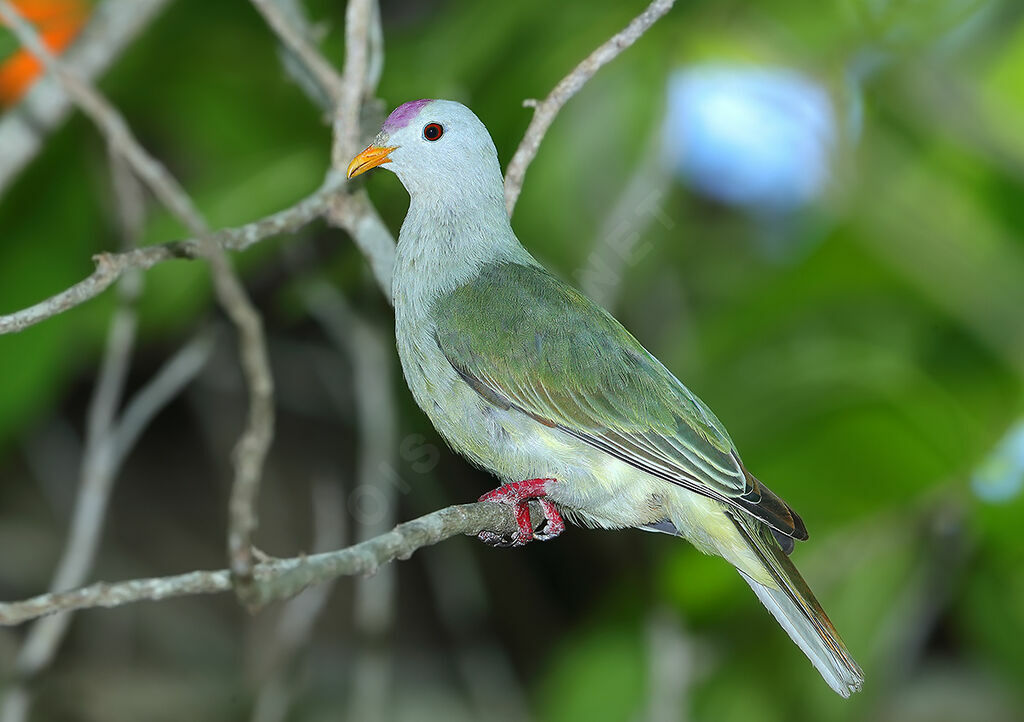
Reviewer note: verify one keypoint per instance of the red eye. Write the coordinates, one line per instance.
(433, 131)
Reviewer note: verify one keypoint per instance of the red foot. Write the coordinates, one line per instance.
(518, 495)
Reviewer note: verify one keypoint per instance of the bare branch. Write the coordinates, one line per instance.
(364, 59)
(357, 215)
(373, 601)
(110, 266)
(325, 74)
(169, 381)
(546, 110)
(359, 18)
(103, 460)
(283, 578)
(113, 24)
(375, 64)
(110, 123)
(254, 443)
(620, 242)
(97, 469)
(364, 63)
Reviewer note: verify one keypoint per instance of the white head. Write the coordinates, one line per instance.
(438, 149)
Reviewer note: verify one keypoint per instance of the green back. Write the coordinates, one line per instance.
(526, 340)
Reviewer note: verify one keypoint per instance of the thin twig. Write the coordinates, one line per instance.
(374, 498)
(364, 63)
(375, 63)
(355, 214)
(282, 578)
(620, 243)
(254, 443)
(110, 266)
(546, 110)
(359, 17)
(97, 470)
(110, 123)
(364, 53)
(112, 26)
(169, 381)
(326, 76)
(251, 450)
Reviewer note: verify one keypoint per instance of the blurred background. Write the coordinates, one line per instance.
(811, 212)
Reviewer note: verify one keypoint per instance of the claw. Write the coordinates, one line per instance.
(518, 495)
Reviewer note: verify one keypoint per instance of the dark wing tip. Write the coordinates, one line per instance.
(766, 505)
(787, 543)
(799, 530)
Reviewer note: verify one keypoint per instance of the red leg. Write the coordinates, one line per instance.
(518, 495)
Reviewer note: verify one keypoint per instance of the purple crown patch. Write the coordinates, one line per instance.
(405, 112)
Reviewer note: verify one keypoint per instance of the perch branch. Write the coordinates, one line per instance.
(545, 111)
(282, 578)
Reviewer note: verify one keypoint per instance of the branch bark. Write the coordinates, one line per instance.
(111, 266)
(546, 110)
(112, 26)
(324, 73)
(254, 443)
(359, 18)
(374, 498)
(98, 467)
(263, 581)
(109, 121)
(283, 578)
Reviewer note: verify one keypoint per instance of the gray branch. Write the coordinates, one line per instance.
(109, 121)
(282, 578)
(111, 266)
(98, 469)
(546, 110)
(113, 24)
(254, 443)
(359, 19)
(292, 37)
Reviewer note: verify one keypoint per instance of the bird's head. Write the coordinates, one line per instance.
(434, 146)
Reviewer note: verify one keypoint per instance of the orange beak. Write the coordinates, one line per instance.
(372, 157)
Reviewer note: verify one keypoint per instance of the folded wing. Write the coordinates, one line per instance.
(527, 341)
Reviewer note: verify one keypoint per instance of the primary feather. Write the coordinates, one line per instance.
(528, 378)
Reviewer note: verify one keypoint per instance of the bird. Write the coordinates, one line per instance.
(528, 379)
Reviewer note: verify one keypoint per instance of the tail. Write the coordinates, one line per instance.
(791, 602)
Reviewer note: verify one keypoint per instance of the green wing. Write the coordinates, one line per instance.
(525, 340)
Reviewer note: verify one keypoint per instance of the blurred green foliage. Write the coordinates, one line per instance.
(865, 371)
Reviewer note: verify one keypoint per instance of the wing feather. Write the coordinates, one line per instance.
(525, 340)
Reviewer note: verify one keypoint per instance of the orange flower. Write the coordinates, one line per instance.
(58, 22)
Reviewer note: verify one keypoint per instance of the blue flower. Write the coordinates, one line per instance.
(756, 138)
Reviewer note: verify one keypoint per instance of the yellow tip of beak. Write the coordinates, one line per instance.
(372, 157)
